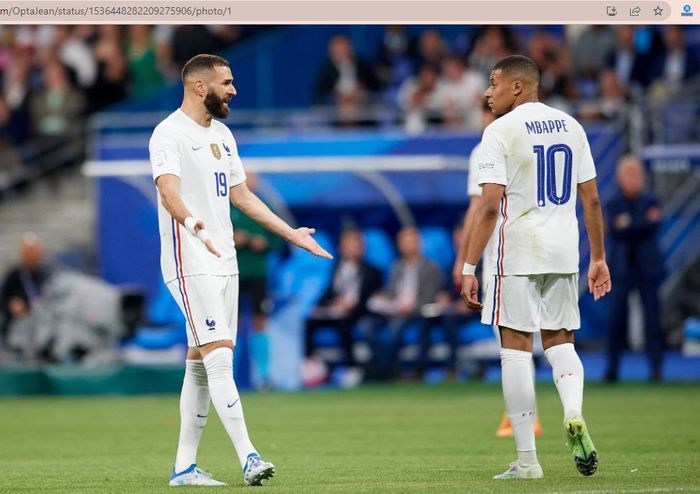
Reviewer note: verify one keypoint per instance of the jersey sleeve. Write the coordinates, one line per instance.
(164, 155)
(492, 159)
(237, 174)
(473, 188)
(586, 170)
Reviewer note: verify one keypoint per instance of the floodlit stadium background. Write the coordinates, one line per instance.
(76, 172)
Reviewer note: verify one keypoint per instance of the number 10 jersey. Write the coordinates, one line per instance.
(540, 154)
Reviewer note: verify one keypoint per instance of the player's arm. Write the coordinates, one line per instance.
(598, 274)
(479, 234)
(245, 200)
(169, 189)
(467, 223)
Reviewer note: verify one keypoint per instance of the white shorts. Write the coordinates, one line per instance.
(534, 302)
(210, 306)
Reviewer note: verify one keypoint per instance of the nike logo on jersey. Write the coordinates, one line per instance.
(202, 416)
(196, 148)
(231, 404)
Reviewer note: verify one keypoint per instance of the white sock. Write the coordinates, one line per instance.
(567, 372)
(519, 396)
(194, 409)
(224, 395)
(534, 380)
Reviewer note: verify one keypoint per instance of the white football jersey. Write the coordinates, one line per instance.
(474, 190)
(540, 154)
(207, 162)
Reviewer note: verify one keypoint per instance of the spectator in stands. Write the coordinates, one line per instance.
(23, 284)
(56, 109)
(345, 299)
(228, 34)
(35, 40)
(432, 49)
(112, 77)
(76, 55)
(419, 98)
(16, 88)
(627, 62)
(395, 64)
(460, 94)
(634, 217)
(610, 105)
(253, 244)
(557, 87)
(179, 45)
(491, 44)
(413, 283)
(590, 51)
(163, 35)
(10, 162)
(144, 66)
(188, 41)
(451, 313)
(7, 42)
(675, 65)
(345, 80)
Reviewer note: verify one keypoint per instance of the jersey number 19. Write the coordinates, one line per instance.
(220, 184)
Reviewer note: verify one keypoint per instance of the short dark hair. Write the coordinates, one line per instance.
(203, 63)
(519, 65)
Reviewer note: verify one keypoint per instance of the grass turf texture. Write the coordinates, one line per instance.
(384, 439)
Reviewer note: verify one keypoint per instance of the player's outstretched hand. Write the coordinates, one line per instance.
(599, 279)
(203, 235)
(470, 292)
(210, 247)
(302, 238)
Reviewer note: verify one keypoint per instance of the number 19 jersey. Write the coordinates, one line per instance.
(540, 154)
(206, 161)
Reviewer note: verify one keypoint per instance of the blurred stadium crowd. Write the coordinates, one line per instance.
(592, 72)
(53, 76)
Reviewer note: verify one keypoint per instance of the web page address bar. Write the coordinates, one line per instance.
(336, 12)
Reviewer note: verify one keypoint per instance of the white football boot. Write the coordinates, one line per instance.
(256, 470)
(517, 471)
(193, 475)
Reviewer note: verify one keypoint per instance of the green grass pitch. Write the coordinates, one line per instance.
(386, 439)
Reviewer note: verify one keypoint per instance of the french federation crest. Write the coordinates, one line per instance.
(210, 322)
(215, 150)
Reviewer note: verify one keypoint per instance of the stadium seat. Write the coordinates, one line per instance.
(379, 249)
(302, 278)
(474, 331)
(158, 338)
(437, 246)
(164, 311)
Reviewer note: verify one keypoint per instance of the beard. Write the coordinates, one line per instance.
(216, 106)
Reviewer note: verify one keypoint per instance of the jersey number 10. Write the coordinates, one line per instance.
(546, 174)
(220, 184)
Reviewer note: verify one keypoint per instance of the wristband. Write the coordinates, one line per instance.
(468, 269)
(189, 224)
(203, 235)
